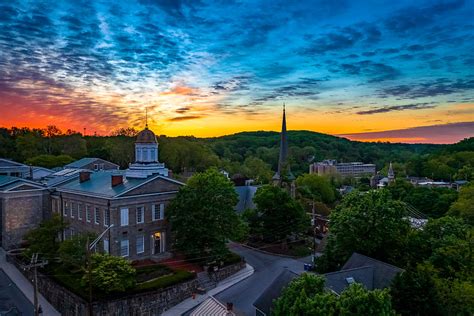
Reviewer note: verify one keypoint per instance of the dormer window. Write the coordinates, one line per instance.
(350, 280)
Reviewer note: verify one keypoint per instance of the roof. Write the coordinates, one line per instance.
(213, 307)
(8, 183)
(81, 163)
(246, 194)
(146, 136)
(100, 184)
(383, 273)
(5, 163)
(264, 302)
(338, 281)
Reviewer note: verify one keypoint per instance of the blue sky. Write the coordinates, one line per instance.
(198, 63)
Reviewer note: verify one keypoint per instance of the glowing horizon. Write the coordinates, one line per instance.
(359, 70)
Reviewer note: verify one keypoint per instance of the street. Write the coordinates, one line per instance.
(267, 268)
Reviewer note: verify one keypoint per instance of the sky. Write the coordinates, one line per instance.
(368, 70)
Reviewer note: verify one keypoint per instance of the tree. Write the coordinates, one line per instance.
(257, 169)
(73, 251)
(110, 274)
(414, 292)
(305, 295)
(464, 206)
(370, 223)
(278, 215)
(127, 131)
(49, 161)
(202, 215)
(315, 188)
(45, 239)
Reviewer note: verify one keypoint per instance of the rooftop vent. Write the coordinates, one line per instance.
(350, 280)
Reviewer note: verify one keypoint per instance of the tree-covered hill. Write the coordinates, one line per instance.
(253, 154)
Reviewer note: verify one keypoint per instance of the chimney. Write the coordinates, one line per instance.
(117, 179)
(84, 176)
(230, 306)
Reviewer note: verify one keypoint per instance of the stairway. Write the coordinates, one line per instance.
(205, 283)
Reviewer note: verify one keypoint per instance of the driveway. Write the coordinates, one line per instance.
(267, 268)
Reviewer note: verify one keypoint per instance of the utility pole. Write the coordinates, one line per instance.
(89, 247)
(34, 264)
(313, 224)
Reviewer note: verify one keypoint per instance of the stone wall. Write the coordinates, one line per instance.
(227, 271)
(146, 303)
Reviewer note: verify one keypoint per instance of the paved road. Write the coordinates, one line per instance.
(267, 268)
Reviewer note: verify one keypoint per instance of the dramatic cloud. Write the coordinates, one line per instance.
(99, 64)
(385, 109)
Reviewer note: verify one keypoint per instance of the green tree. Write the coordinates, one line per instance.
(110, 274)
(49, 161)
(278, 215)
(256, 168)
(414, 292)
(202, 215)
(73, 251)
(464, 206)
(306, 295)
(369, 223)
(45, 239)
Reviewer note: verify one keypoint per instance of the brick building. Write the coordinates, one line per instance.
(133, 200)
(23, 205)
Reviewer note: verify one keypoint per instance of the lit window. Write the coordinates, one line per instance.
(140, 214)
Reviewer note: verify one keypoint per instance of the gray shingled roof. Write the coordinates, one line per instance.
(81, 163)
(246, 194)
(337, 281)
(383, 273)
(265, 301)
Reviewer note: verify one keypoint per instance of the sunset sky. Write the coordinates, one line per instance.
(368, 70)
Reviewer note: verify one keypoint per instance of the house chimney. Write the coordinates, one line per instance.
(230, 306)
(84, 176)
(117, 179)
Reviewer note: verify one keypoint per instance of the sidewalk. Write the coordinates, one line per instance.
(24, 285)
(190, 303)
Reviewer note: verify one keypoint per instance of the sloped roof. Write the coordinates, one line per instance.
(7, 183)
(5, 163)
(213, 307)
(246, 194)
(100, 184)
(383, 273)
(264, 302)
(337, 281)
(81, 163)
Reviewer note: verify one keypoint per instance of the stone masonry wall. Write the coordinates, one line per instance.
(227, 271)
(147, 303)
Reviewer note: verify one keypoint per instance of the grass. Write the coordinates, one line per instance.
(179, 276)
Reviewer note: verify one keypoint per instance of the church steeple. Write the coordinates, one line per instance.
(283, 173)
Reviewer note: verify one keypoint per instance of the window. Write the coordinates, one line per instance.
(106, 218)
(97, 215)
(66, 208)
(124, 217)
(124, 248)
(73, 206)
(79, 211)
(73, 232)
(140, 244)
(106, 245)
(96, 167)
(158, 211)
(88, 213)
(140, 214)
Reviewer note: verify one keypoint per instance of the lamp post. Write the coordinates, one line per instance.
(89, 248)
